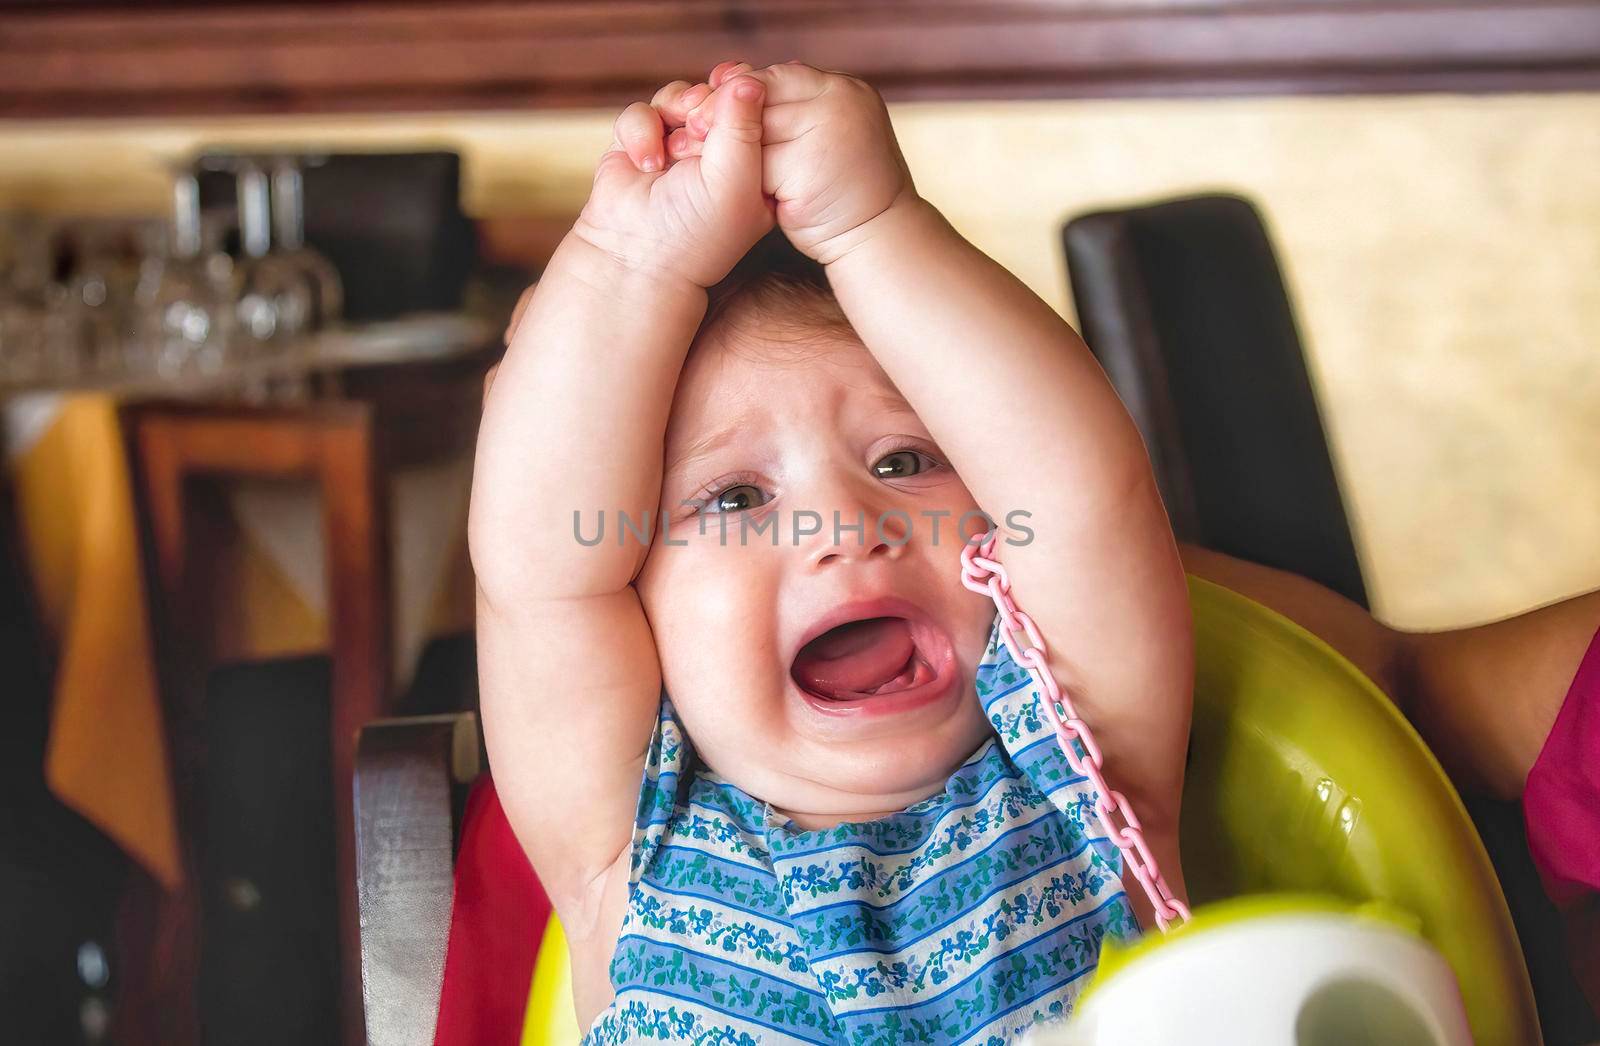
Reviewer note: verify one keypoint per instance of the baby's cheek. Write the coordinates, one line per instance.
(711, 612)
(726, 617)
(718, 654)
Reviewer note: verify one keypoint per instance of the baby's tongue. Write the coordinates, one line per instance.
(855, 659)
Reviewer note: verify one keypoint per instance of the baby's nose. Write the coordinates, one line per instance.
(861, 537)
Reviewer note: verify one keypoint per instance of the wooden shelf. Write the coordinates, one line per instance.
(82, 59)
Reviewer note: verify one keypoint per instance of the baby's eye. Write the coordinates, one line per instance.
(902, 463)
(736, 499)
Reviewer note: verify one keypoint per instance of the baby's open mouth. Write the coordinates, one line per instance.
(871, 658)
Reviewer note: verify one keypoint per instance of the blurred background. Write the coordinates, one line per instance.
(254, 260)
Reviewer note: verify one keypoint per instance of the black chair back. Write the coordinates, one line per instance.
(1185, 307)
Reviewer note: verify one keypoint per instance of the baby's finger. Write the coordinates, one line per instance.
(786, 85)
(793, 82)
(638, 131)
(697, 118)
(681, 145)
(723, 71)
(675, 100)
(614, 163)
(731, 160)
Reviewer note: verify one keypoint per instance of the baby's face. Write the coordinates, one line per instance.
(825, 670)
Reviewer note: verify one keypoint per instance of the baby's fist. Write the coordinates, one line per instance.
(693, 217)
(829, 156)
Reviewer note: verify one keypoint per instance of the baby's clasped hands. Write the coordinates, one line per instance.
(829, 158)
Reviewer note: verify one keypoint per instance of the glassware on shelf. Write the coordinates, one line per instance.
(100, 297)
(36, 338)
(182, 324)
(215, 225)
(121, 300)
(274, 299)
(289, 227)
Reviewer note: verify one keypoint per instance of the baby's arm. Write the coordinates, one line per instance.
(574, 421)
(1028, 420)
(567, 667)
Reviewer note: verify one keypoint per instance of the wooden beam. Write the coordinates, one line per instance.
(103, 60)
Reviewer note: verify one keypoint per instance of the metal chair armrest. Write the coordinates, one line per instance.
(406, 774)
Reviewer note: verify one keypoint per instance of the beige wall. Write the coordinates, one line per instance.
(1444, 252)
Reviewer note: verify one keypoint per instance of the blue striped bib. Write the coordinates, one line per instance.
(968, 917)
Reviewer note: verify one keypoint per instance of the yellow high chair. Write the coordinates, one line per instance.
(1303, 778)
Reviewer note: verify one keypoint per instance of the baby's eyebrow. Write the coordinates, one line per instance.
(893, 402)
(701, 448)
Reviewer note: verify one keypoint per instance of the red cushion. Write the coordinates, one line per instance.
(496, 922)
(1561, 805)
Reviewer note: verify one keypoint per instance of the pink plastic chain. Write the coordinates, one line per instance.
(980, 572)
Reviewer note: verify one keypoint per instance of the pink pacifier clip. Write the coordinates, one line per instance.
(980, 572)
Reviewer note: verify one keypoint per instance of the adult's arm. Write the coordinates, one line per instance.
(1483, 698)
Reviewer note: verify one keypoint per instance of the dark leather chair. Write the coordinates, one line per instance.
(1183, 304)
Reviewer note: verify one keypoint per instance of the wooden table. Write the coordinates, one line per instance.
(400, 405)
